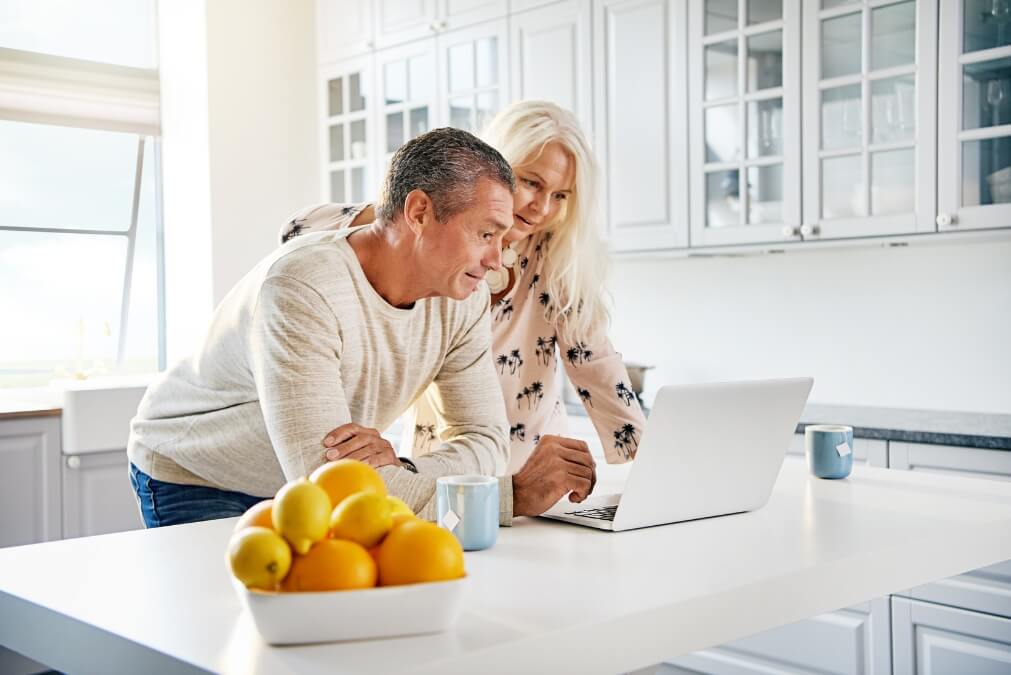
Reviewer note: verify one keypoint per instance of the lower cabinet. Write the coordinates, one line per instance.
(97, 496)
(29, 480)
(867, 451)
(854, 640)
(932, 639)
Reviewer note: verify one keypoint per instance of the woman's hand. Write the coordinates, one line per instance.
(353, 441)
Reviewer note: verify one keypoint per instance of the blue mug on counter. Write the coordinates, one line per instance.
(829, 450)
(467, 506)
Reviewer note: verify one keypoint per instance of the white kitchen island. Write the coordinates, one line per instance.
(549, 597)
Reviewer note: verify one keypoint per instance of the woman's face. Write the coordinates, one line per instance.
(542, 187)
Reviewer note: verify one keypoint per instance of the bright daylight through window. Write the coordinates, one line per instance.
(80, 235)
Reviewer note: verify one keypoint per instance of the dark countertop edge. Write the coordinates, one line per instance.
(926, 437)
(887, 434)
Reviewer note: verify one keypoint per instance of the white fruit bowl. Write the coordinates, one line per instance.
(332, 616)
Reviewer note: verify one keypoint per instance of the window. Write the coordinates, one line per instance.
(80, 242)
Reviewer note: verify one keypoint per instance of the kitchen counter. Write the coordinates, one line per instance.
(936, 427)
(549, 597)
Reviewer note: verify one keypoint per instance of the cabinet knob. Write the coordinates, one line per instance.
(808, 230)
(790, 230)
(438, 26)
(73, 462)
(945, 219)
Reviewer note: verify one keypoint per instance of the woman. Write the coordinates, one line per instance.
(548, 297)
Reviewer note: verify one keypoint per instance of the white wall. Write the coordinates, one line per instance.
(927, 326)
(239, 143)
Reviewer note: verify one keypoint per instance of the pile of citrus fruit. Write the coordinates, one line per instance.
(339, 530)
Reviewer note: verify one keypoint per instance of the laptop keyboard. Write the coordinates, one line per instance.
(603, 513)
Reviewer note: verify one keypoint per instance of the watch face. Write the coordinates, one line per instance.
(509, 257)
(497, 280)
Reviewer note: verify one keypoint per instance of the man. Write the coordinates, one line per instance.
(342, 331)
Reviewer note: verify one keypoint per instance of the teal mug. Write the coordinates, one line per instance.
(829, 450)
(467, 506)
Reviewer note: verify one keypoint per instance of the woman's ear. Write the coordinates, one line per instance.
(419, 211)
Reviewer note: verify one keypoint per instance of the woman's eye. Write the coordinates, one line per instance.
(531, 183)
(561, 196)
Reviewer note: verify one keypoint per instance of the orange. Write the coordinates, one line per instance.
(331, 565)
(258, 515)
(401, 518)
(417, 551)
(344, 477)
(363, 518)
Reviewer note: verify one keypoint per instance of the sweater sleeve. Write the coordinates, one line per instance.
(295, 355)
(466, 397)
(601, 380)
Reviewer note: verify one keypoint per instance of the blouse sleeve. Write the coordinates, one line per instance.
(320, 217)
(601, 380)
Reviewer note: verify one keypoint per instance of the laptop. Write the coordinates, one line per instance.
(707, 450)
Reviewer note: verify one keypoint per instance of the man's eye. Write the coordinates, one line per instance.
(488, 236)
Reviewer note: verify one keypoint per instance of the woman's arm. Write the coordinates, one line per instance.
(601, 380)
(328, 216)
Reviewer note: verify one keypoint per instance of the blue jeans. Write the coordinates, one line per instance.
(164, 503)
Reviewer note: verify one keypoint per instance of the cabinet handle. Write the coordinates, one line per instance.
(945, 219)
(808, 230)
(73, 462)
(790, 230)
(438, 26)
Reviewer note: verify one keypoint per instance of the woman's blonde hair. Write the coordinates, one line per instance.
(578, 263)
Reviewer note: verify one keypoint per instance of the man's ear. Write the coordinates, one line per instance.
(419, 211)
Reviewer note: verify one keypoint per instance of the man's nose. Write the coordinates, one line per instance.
(493, 258)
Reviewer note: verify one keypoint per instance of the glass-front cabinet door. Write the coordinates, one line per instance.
(408, 94)
(745, 102)
(348, 145)
(974, 157)
(870, 122)
(475, 72)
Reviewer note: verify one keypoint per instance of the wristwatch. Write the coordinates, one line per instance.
(408, 464)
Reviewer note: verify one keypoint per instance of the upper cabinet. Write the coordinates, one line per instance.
(349, 147)
(344, 29)
(475, 64)
(640, 121)
(870, 78)
(551, 57)
(399, 21)
(745, 100)
(974, 155)
(408, 86)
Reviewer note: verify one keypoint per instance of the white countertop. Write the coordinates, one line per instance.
(548, 597)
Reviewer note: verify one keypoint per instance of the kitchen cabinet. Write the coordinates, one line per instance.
(97, 496)
(474, 74)
(551, 57)
(344, 29)
(744, 97)
(870, 92)
(974, 115)
(30, 503)
(929, 639)
(640, 121)
(346, 103)
(854, 640)
(400, 21)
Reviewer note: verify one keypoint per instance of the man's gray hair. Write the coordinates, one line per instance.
(446, 164)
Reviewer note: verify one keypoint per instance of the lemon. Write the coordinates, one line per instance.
(301, 513)
(259, 557)
(397, 505)
(345, 477)
(363, 518)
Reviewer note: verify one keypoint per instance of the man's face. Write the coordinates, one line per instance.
(460, 250)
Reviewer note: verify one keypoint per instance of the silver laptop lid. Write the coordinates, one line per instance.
(711, 449)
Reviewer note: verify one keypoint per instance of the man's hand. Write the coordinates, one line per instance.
(353, 441)
(557, 466)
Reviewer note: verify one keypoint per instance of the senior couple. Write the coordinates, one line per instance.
(455, 296)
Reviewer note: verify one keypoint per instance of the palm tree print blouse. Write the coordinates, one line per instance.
(528, 348)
